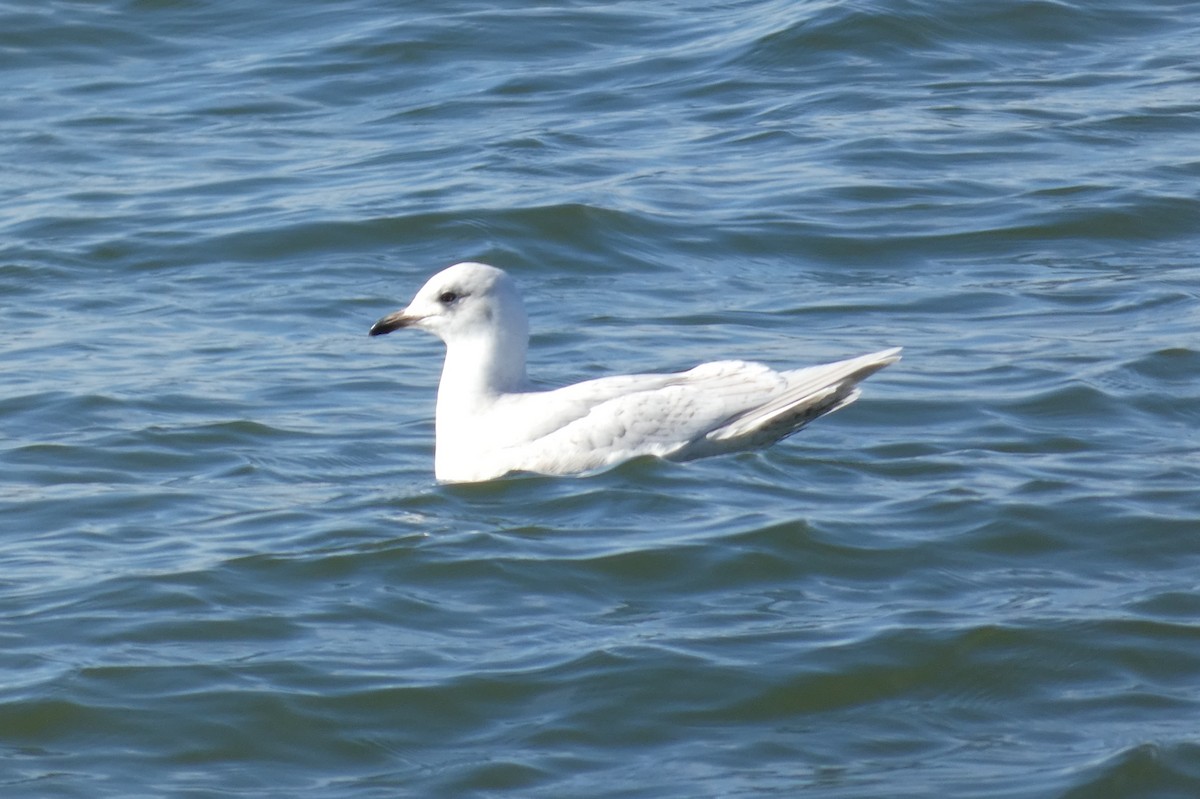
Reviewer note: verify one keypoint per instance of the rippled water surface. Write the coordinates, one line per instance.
(226, 569)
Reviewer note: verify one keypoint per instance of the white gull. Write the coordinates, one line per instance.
(492, 421)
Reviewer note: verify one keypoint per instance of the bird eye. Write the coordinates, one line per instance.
(447, 297)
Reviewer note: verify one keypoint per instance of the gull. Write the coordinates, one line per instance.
(491, 421)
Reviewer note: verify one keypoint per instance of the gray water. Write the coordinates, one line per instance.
(226, 569)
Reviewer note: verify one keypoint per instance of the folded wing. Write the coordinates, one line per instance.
(717, 407)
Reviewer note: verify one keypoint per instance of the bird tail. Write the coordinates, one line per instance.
(812, 392)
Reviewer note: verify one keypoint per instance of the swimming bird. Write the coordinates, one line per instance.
(491, 421)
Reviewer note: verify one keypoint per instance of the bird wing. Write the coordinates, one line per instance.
(605, 421)
(717, 407)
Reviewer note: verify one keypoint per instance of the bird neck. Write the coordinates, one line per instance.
(479, 368)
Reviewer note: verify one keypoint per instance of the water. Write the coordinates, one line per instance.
(226, 570)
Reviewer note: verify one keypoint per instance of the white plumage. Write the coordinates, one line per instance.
(491, 421)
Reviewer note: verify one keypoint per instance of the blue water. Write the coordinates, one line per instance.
(226, 569)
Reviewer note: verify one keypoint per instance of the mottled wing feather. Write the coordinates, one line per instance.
(666, 416)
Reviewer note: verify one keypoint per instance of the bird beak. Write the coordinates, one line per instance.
(394, 321)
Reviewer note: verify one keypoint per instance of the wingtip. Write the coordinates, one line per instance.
(890, 355)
